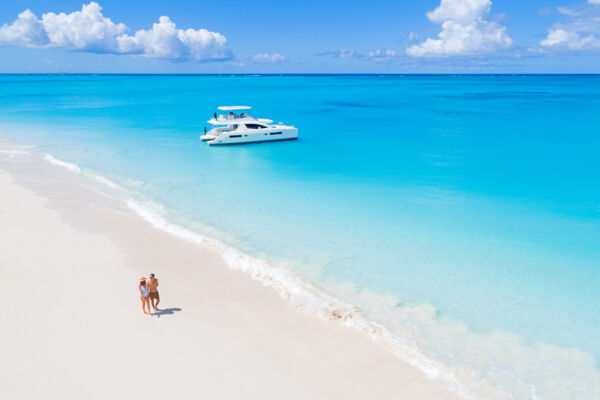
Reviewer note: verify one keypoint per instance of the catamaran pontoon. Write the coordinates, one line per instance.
(241, 128)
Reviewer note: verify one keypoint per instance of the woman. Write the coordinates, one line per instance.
(144, 295)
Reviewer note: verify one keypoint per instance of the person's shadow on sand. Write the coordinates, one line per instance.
(166, 311)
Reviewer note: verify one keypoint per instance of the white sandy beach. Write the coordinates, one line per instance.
(72, 324)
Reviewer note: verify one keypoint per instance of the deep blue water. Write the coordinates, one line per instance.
(461, 212)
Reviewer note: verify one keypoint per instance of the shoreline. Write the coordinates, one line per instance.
(329, 358)
(487, 286)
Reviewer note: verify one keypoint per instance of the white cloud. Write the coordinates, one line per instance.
(265, 58)
(26, 30)
(89, 30)
(346, 53)
(164, 40)
(343, 53)
(465, 31)
(462, 11)
(559, 38)
(378, 56)
(85, 30)
(580, 29)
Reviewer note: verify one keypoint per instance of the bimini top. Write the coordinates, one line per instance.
(232, 108)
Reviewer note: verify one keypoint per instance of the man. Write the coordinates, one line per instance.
(154, 297)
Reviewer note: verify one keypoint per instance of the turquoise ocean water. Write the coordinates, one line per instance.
(457, 216)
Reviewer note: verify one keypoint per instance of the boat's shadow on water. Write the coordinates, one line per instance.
(166, 311)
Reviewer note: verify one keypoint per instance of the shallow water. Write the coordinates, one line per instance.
(461, 213)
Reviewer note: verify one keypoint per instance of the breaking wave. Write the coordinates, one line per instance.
(64, 164)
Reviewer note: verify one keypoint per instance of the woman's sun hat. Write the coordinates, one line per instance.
(143, 279)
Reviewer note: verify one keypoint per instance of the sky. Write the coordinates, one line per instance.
(265, 36)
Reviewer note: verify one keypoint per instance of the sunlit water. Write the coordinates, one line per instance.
(461, 213)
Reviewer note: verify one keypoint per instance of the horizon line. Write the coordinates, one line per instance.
(306, 73)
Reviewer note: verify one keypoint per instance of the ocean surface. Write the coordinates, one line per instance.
(454, 218)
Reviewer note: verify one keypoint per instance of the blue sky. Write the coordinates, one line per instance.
(429, 36)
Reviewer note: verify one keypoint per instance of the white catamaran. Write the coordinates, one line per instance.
(232, 128)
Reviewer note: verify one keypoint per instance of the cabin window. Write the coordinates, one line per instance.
(276, 133)
(254, 126)
(234, 136)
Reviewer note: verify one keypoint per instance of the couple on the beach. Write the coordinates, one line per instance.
(149, 293)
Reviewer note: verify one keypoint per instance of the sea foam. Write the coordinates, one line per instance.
(64, 164)
(106, 181)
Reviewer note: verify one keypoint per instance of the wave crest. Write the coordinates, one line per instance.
(64, 164)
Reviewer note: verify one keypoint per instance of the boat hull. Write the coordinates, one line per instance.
(272, 135)
(251, 142)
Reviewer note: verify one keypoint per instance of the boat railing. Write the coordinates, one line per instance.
(231, 117)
